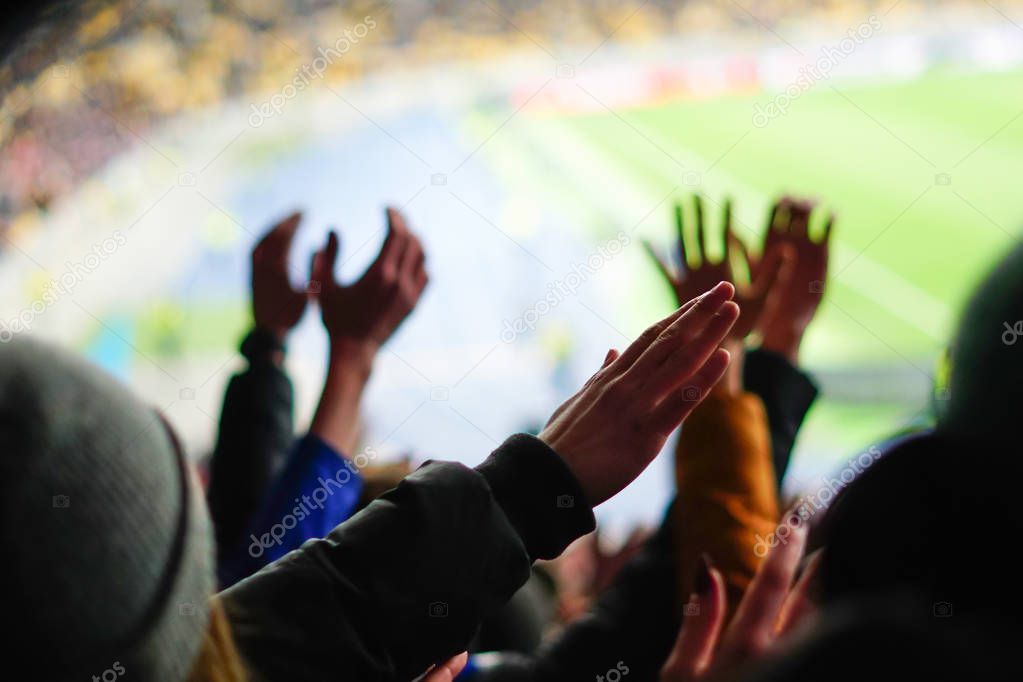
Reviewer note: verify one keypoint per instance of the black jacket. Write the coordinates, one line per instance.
(256, 431)
(406, 582)
(787, 394)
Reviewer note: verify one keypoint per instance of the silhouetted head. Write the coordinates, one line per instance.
(933, 522)
(986, 388)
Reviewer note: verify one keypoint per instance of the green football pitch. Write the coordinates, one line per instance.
(923, 175)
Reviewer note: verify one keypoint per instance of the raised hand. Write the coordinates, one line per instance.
(697, 272)
(359, 318)
(368, 311)
(616, 424)
(276, 305)
(787, 316)
(770, 609)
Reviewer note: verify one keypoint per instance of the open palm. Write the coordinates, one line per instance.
(698, 272)
(787, 317)
(369, 310)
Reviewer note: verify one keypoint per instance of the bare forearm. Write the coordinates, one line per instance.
(784, 341)
(731, 382)
(337, 417)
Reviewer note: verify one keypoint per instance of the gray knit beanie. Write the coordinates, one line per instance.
(108, 558)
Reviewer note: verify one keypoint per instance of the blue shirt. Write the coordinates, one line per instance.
(317, 490)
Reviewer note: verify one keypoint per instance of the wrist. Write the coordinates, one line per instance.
(557, 508)
(276, 332)
(352, 357)
(337, 417)
(262, 344)
(784, 342)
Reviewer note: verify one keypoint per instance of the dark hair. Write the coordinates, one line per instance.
(986, 389)
(934, 520)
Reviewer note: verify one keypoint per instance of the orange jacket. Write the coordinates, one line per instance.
(727, 491)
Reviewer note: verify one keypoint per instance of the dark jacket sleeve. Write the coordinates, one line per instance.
(255, 434)
(632, 627)
(317, 490)
(635, 621)
(787, 394)
(405, 582)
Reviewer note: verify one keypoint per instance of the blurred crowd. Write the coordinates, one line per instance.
(92, 79)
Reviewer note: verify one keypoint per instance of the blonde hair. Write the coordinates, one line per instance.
(218, 659)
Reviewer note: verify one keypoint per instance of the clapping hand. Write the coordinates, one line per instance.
(787, 316)
(367, 312)
(276, 305)
(697, 271)
(360, 317)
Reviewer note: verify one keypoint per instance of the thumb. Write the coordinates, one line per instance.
(612, 355)
(662, 267)
(322, 270)
(285, 230)
(735, 245)
(775, 271)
